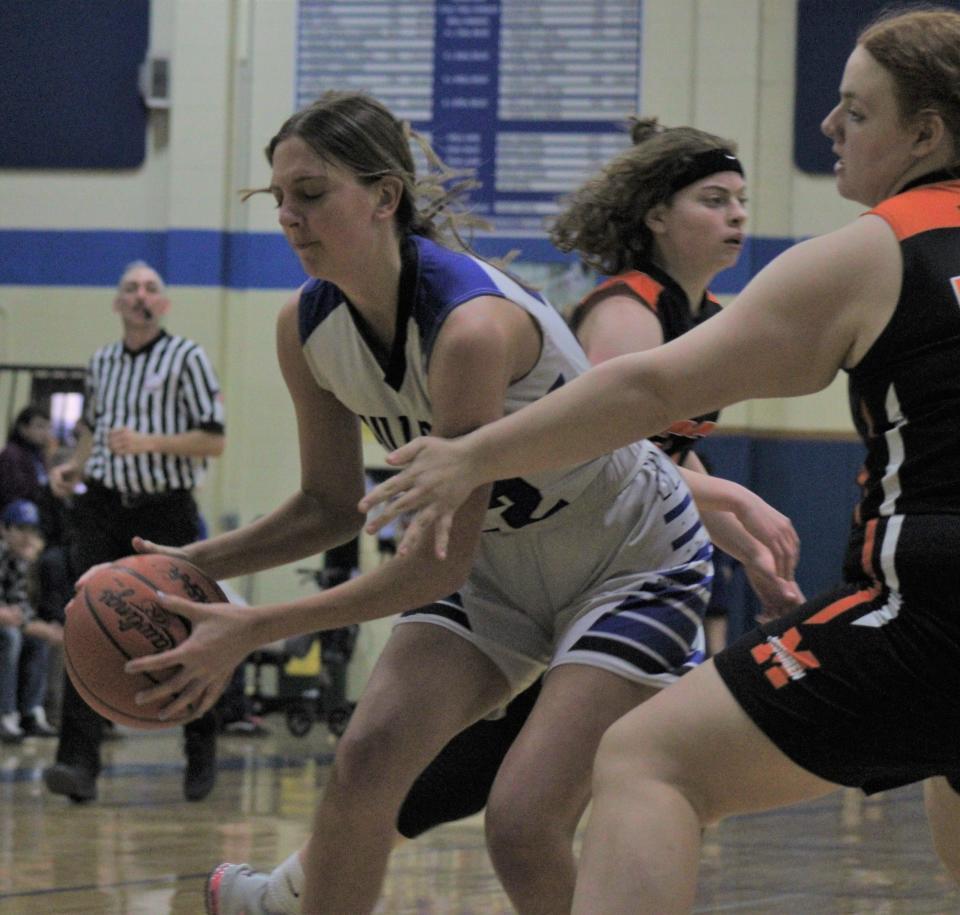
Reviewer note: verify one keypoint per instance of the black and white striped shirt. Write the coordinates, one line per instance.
(166, 388)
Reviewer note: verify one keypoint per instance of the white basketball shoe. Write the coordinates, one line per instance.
(237, 889)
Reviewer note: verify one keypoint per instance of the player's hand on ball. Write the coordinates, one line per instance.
(435, 482)
(220, 638)
(116, 616)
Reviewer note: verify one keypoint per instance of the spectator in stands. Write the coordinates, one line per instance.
(24, 639)
(23, 461)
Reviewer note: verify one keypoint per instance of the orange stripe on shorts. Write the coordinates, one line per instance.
(841, 606)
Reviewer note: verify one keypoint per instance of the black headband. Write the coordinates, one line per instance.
(708, 162)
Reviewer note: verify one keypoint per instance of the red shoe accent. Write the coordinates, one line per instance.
(212, 891)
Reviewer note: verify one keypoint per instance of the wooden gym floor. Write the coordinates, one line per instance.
(142, 849)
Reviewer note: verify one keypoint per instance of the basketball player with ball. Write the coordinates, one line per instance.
(403, 329)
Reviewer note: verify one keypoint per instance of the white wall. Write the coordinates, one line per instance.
(723, 65)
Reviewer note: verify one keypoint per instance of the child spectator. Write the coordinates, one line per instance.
(24, 640)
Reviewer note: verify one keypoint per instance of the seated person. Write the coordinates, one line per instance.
(24, 639)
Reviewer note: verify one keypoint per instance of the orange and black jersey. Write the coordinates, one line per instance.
(861, 685)
(905, 393)
(658, 291)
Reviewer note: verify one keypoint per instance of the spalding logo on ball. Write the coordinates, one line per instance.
(115, 618)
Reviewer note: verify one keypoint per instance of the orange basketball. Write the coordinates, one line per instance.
(115, 618)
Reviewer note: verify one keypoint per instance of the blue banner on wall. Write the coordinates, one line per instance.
(532, 95)
(69, 72)
(826, 33)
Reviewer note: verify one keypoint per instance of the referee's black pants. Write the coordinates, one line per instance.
(104, 523)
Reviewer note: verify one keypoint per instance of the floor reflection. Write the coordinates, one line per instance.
(142, 849)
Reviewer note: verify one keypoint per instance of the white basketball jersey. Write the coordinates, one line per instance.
(389, 392)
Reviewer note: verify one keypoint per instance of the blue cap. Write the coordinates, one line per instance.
(21, 513)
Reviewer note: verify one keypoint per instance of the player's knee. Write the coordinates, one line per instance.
(515, 844)
(619, 761)
(519, 833)
(509, 825)
(633, 765)
(364, 755)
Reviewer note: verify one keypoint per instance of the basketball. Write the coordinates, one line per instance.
(115, 618)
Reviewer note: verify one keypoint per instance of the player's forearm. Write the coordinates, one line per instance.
(713, 493)
(399, 584)
(731, 536)
(302, 526)
(402, 583)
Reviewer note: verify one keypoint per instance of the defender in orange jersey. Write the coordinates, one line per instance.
(877, 299)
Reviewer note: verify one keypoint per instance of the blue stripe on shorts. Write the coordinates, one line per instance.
(663, 593)
(686, 536)
(641, 622)
(678, 510)
(656, 641)
(642, 660)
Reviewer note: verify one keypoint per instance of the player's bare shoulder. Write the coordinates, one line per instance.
(489, 326)
(874, 262)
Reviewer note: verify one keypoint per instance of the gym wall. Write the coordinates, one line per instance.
(67, 232)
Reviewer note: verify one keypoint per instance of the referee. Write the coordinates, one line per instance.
(152, 416)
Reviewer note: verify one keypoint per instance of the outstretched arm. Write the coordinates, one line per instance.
(813, 310)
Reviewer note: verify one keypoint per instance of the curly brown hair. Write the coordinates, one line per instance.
(604, 219)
